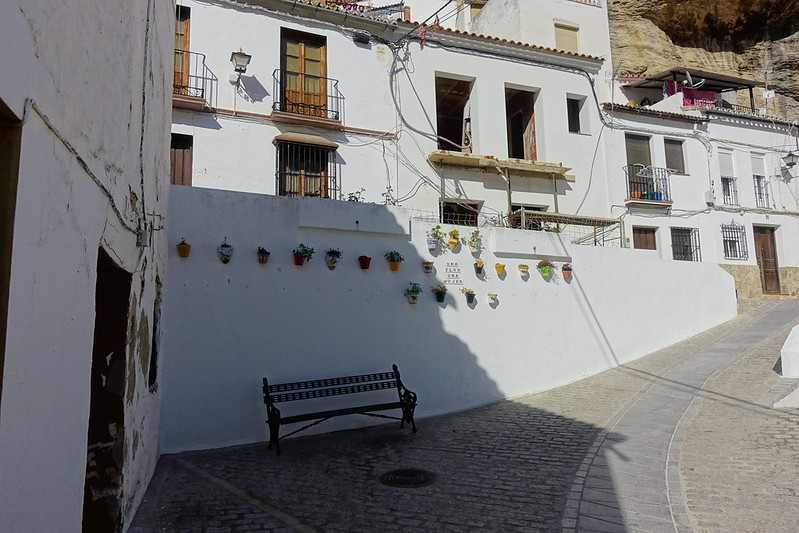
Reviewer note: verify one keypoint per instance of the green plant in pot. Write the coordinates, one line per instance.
(302, 253)
(454, 240)
(474, 241)
(394, 259)
(545, 267)
(331, 257)
(434, 236)
(413, 292)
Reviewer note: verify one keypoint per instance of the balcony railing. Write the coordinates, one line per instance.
(594, 3)
(191, 77)
(648, 183)
(724, 105)
(308, 95)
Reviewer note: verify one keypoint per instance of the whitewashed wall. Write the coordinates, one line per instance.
(228, 325)
(87, 67)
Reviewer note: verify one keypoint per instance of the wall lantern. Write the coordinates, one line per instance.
(240, 61)
(790, 159)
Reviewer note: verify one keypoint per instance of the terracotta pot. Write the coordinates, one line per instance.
(567, 274)
(299, 260)
(393, 265)
(365, 261)
(263, 257)
(184, 249)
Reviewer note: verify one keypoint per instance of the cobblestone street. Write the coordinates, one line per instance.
(684, 439)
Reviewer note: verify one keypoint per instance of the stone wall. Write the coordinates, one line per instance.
(749, 287)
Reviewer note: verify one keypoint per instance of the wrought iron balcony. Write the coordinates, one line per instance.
(191, 77)
(648, 184)
(308, 95)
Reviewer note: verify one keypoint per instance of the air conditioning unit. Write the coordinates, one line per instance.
(710, 198)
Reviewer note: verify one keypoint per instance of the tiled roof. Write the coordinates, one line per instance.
(653, 112)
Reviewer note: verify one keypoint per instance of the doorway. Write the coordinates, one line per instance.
(766, 251)
(102, 495)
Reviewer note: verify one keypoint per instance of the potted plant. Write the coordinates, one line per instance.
(413, 292)
(184, 248)
(500, 269)
(394, 259)
(479, 264)
(263, 255)
(469, 294)
(454, 240)
(492, 297)
(545, 267)
(225, 251)
(567, 271)
(427, 267)
(434, 236)
(364, 261)
(524, 269)
(302, 254)
(331, 258)
(440, 292)
(474, 241)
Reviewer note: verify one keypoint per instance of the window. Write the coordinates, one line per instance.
(180, 157)
(523, 216)
(460, 213)
(674, 155)
(637, 147)
(180, 82)
(303, 67)
(733, 236)
(476, 6)
(644, 238)
(761, 185)
(520, 118)
(567, 38)
(729, 190)
(453, 114)
(305, 166)
(573, 107)
(685, 244)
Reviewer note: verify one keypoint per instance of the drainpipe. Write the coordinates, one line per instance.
(441, 196)
(505, 177)
(555, 191)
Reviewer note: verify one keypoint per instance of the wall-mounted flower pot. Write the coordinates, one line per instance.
(413, 297)
(469, 297)
(492, 297)
(184, 248)
(432, 244)
(546, 271)
(524, 270)
(225, 252)
(427, 267)
(440, 296)
(478, 270)
(567, 275)
(393, 265)
(364, 261)
(500, 269)
(263, 256)
(474, 246)
(299, 260)
(331, 262)
(453, 244)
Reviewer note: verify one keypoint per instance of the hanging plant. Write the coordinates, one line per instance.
(331, 258)
(225, 251)
(440, 292)
(567, 271)
(413, 292)
(454, 240)
(394, 259)
(545, 267)
(469, 295)
(302, 254)
(184, 248)
(434, 236)
(478, 267)
(474, 241)
(263, 255)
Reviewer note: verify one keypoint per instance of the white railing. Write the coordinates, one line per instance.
(594, 3)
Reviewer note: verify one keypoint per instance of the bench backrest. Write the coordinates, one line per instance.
(322, 388)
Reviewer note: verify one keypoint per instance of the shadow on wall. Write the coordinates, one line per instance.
(503, 467)
(228, 325)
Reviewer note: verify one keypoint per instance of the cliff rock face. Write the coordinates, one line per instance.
(753, 39)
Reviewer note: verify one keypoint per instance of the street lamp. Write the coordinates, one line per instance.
(790, 159)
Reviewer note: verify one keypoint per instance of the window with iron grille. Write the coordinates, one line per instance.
(305, 170)
(729, 190)
(685, 244)
(733, 237)
(460, 213)
(761, 191)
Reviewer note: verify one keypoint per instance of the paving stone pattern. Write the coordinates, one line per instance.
(641, 447)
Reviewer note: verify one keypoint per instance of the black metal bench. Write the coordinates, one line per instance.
(323, 388)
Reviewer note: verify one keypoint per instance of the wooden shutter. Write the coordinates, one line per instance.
(181, 69)
(758, 166)
(180, 156)
(638, 150)
(644, 238)
(566, 38)
(674, 155)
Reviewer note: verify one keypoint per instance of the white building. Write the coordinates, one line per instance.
(84, 171)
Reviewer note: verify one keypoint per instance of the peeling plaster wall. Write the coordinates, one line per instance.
(91, 81)
(228, 325)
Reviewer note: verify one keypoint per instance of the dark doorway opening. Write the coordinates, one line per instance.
(102, 497)
(10, 135)
(519, 112)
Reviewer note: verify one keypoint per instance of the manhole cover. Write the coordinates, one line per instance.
(408, 478)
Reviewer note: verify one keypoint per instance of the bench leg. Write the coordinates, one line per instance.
(274, 429)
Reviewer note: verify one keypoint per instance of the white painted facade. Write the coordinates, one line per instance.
(88, 83)
(231, 324)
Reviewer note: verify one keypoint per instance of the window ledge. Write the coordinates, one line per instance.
(194, 103)
(583, 133)
(524, 166)
(305, 120)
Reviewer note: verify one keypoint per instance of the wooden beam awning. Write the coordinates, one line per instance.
(308, 140)
(523, 166)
